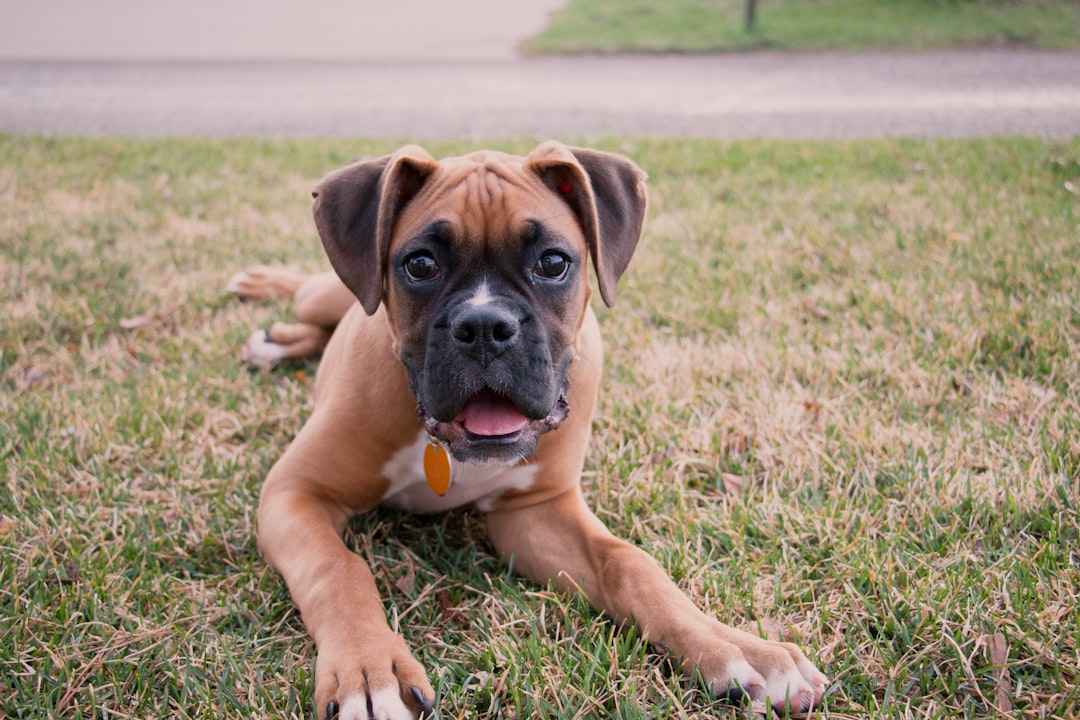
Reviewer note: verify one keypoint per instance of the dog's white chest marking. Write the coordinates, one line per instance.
(479, 484)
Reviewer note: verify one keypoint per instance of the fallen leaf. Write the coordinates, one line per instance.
(963, 384)
(5, 526)
(32, 376)
(134, 323)
(447, 610)
(999, 658)
(816, 310)
(406, 582)
(733, 484)
(976, 466)
(737, 443)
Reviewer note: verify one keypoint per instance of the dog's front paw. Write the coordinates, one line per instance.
(740, 666)
(372, 679)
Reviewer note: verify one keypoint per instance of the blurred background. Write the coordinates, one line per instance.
(422, 29)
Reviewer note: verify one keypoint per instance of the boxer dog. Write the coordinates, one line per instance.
(461, 368)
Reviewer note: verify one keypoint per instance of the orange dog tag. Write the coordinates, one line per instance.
(437, 467)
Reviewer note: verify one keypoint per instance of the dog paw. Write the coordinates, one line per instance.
(360, 685)
(238, 285)
(261, 351)
(264, 283)
(742, 666)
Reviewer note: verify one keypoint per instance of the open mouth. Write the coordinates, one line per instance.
(490, 415)
(488, 420)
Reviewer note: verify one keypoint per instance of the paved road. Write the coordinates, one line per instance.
(360, 68)
(814, 96)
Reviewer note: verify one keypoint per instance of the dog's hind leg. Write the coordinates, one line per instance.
(319, 301)
(322, 300)
(265, 283)
(284, 341)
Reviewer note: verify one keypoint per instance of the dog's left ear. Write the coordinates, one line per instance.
(607, 193)
(355, 209)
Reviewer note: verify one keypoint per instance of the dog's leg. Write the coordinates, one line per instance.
(319, 301)
(562, 541)
(264, 282)
(322, 300)
(283, 341)
(363, 668)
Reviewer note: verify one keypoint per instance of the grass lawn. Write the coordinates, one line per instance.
(842, 405)
(715, 25)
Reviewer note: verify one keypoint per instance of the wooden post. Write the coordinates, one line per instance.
(751, 15)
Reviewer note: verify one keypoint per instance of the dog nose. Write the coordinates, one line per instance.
(485, 333)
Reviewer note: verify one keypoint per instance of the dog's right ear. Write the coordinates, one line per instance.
(355, 209)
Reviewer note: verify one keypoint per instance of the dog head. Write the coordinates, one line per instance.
(480, 262)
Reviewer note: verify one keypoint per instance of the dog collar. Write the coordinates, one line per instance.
(436, 466)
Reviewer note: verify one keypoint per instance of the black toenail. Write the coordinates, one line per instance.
(734, 695)
(332, 710)
(266, 336)
(427, 706)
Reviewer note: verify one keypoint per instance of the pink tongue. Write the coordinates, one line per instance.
(491, 417)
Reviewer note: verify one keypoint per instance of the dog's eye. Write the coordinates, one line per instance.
(552, 265)
(421, 266)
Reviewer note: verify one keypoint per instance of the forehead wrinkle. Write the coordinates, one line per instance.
(498, 201)
(488, 187)
(492, 194)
